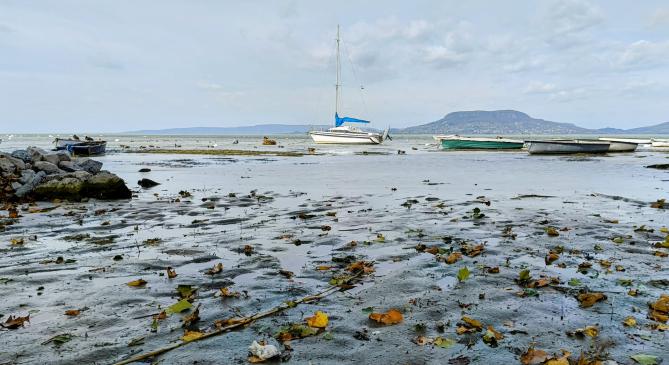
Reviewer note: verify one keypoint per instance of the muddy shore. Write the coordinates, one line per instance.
(301, 214)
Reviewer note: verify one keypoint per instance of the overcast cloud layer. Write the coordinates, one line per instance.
(119, 65)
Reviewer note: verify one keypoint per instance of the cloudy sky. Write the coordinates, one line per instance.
(121, 65)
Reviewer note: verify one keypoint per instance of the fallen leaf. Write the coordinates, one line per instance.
(551, 257)
(463, 274)
(392, 316)
(453, 258)
(589, 299)
(552, 231)
(590, 331)
(72, 312)
(644, 359)
(472, 323)
(361, 266)
(13, 323)
(534, 357)
(215, 270)
(443, 342)
(137, 283)
(227, 293)
(629, 321)
(178, 307)
(171, 273)
(319, 320)
(192, 318)
(191, 335)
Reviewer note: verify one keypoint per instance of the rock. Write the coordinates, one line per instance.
(69, 188)
(36, 153)
(147, 183)
(69, 166)
(30, 185)
(16, 161)
(144, 170)
(64, 156)
(88, 165)
(47, 167)
(22, 155)
(7, 167)
(52, 157)
(16, 185)
(662, 166)
(81, 175)
(26, 176)
(106, 185)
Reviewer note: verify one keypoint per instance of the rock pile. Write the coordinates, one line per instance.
(35, 174)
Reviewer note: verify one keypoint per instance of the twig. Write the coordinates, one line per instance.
(243, 323)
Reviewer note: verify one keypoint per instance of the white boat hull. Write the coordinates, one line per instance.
(622, 146)
(659, 143)
(346, 138)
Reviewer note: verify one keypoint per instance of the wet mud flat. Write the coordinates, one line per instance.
(463, 246)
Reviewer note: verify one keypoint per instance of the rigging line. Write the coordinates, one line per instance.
(355, 74)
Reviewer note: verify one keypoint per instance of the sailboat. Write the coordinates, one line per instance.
(346, 134)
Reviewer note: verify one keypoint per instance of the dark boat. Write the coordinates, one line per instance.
(88, 148)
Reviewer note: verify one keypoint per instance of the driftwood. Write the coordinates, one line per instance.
(244, 322)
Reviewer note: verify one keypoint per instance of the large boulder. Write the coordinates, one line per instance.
(106, 185)
(23, 155)
(36, 153)
(64, 156)
(16, 161)
(52, 157)
(47, 167)
(7, 167)
(69, 166)
(28, 187)
(65, 188)
(88, 165)
(26, 176)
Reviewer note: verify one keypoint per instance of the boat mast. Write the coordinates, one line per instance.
(337, 85)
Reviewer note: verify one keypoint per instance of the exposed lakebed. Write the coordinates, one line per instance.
(405, 213)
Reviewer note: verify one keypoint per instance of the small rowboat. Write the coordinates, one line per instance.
(455, 142)
(550, 147)
(87, 148)
(620, 146)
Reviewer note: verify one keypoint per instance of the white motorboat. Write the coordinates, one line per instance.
(346, 134)
(552, 146)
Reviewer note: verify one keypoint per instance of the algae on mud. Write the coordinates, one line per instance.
(220, 152)
(587, 207)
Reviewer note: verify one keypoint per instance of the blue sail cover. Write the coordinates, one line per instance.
(340, 121)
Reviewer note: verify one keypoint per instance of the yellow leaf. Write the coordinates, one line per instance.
(533, 357)
(319, 320)
(393, 316)
(72, 312)
(137, 283)
(629, 321)
(191, 335)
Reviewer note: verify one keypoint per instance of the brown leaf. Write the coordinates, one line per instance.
(361, 266)
(13, 323)
(472, 323)
(589, 299)
(137, 283)
(453, 258)
(171, 273)
(551, 257)
(534, 357)
(192, 318)
(215, 270)
(72, 312)
(392, 316)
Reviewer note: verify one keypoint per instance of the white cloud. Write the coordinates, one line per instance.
(660, 17)
(536, 87)
(643, 54)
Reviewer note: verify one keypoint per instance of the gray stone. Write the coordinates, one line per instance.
(68, 166)
(16, 185)
(36, 153)
(82, 175)
(23, 155)
(64, 156)
(16, 161)
(52, 157)
(89, 165)
(26, 176)
(29, 186)
(47, 167)
(104, 185)
(7, 167)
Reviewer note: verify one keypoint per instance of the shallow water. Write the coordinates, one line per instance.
(582, 194)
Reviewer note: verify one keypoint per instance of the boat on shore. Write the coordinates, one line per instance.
(455, 142)
(551, 147)
(620, 145)
(346, 134)
(87, 148)
(659, 142)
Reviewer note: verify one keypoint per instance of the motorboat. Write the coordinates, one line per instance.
(549, 147)
(455, 142)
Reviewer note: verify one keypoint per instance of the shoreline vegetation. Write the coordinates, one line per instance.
(221, 152)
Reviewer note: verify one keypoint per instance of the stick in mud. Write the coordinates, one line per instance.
(310, 298)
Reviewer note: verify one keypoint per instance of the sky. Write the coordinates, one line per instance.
(120, 65)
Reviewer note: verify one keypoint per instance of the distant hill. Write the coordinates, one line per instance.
(662, 128)
(509, 122)
(493, 122)
(250, 130)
